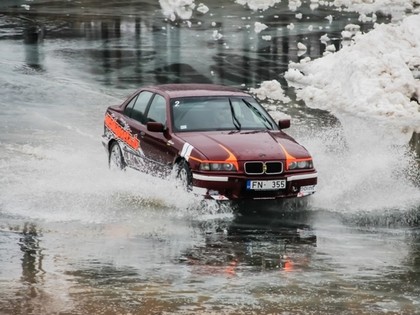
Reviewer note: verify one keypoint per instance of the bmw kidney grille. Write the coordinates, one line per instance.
(259, 168)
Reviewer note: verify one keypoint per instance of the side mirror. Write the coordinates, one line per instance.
(155, 126)
(284, 123)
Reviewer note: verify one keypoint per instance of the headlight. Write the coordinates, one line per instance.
(294, 165)
(229, 167)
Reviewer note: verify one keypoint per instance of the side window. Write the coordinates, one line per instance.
(129, 108)
(157, 110)
(138, 112)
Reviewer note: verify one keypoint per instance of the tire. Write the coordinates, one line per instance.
(116, 160)
(184, 175)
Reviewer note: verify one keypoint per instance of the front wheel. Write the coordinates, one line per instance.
(116, 160)
(184, 175)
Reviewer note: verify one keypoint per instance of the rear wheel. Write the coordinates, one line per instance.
(116, 160)
(184, 175)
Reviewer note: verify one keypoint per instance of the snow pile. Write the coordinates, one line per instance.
(371, 78)
(271, 90)
(396, 8)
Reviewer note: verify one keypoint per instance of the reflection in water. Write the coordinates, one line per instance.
(32, 296)
(254, 243)
(33, 36)
(32, 254)
(149, 276)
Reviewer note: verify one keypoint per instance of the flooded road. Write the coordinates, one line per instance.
(76, 238)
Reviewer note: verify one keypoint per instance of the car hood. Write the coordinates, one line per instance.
(254, 145)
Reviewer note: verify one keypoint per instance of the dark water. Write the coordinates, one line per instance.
(78, 239)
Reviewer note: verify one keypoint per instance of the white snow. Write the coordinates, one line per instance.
(177, 8)
(324, 39)
(352, 28)
(294, 4)
(271, 90)
(329, 18)
(182, 9)
(372, 78)
(258, 27)
(217, 35)
(330, 48)
(396, 8)
(256, 5)
(301, 46)
(202, 8)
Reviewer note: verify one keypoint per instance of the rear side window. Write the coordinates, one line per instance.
(129, 108)
(139, 106)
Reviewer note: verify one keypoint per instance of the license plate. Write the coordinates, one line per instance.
(266, 184)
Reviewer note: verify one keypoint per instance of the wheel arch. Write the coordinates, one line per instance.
(110, 143)
(179, 159)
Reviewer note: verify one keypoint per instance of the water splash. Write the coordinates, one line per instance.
(361, 168)
(58, 183)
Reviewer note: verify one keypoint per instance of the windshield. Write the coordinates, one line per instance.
(219, 113)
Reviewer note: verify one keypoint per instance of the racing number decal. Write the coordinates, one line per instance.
(121, 133)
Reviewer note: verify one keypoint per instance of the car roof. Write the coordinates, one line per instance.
(195, 89)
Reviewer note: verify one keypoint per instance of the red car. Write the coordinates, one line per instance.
(219, 141)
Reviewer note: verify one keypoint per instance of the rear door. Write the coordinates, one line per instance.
(136, 113)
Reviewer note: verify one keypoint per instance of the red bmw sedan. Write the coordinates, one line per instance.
(218, 141)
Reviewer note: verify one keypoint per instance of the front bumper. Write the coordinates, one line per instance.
(234, 187)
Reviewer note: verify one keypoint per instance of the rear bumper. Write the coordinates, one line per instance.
(228, 187)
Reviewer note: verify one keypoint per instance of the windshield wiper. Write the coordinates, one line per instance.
(235, 119)
(256, 111)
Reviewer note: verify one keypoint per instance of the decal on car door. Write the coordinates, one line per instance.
(122, 133)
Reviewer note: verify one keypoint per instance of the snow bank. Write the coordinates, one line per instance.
(396, 8)
(373, 78)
